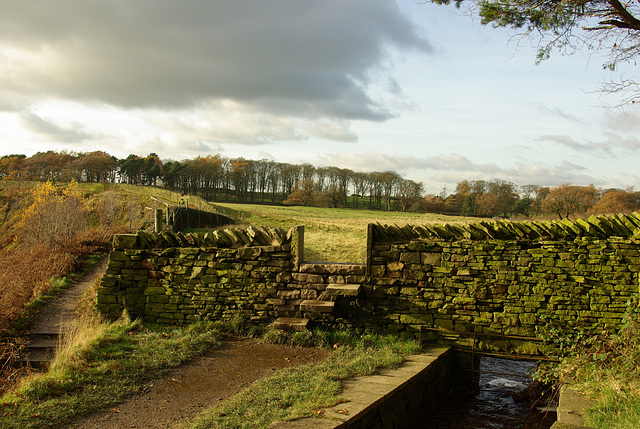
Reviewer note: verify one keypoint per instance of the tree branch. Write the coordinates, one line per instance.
(630, 21)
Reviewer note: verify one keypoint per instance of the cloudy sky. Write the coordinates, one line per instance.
(362, 84)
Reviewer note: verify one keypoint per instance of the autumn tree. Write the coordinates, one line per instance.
(96, 166)
(614, 201)
(48, 165)
(567, 199)
(10, 166)
(303, 194)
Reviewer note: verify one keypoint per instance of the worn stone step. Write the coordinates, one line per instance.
(36, 357)
(317, 306)
(290, 324)
(40, 350)
(42, 343)
(336, 289)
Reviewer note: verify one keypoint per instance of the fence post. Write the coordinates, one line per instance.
(369, 249)
(297, 247)
(158, 220)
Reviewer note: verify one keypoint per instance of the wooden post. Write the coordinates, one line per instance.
(369, 256)
(158, 220)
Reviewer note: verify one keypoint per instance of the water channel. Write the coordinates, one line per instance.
(493, 406)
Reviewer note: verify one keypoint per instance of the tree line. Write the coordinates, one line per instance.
(218, 178)
(224, 179)
(501, 198)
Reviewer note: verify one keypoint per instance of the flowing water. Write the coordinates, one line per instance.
(493, 407)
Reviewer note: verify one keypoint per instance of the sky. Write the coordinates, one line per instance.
(369, 85)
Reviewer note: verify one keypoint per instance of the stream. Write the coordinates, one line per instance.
(493, 407)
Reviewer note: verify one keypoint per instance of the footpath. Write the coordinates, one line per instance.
(56, 318)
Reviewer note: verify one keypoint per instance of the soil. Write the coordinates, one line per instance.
(172, 400)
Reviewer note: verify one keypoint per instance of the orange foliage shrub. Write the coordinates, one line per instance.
(55, 216)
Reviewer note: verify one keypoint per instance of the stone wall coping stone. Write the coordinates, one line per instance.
(226, 238)
(598, 226)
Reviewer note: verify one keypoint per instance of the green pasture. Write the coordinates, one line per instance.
(331, 234)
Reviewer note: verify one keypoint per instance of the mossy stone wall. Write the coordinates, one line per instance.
(505, 287)
(473, 285)
(177, 279)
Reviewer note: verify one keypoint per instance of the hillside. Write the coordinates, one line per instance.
(47, 231)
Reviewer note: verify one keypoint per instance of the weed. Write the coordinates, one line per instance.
(276, 336)
(606, 367)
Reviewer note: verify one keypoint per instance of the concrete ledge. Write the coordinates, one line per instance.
(387, 399)
(571, 406)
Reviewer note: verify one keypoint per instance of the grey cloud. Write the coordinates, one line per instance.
(620, 120)
(312, 58)
(558, 113)
(612, 143)
(73, 133)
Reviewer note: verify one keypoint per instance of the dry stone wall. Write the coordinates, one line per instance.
(473, 285)
(179, 278)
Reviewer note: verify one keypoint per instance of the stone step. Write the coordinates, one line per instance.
(336, 289)
(40, 350)
(290, 324)
(36, 357)
(317, 306)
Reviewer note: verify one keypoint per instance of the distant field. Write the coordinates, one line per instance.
(331, 235)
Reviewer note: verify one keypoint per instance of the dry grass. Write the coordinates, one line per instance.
(26, 275)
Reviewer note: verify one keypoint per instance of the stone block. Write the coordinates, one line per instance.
(307, 278)
(125, 241)
(395, 266)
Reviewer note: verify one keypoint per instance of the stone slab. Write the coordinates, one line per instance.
(571, 406)
(343, 289)
(317, 306)
(290, 324)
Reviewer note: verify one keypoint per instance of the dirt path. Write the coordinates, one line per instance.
(56, 315)
(208, 379)
(171, 400)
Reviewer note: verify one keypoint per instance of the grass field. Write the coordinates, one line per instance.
(331, 235)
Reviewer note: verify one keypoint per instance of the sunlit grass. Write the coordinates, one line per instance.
(292, 393)
(332, 234)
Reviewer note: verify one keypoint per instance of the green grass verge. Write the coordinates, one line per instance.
(615, 409)
(115, 363)
(305, 390)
